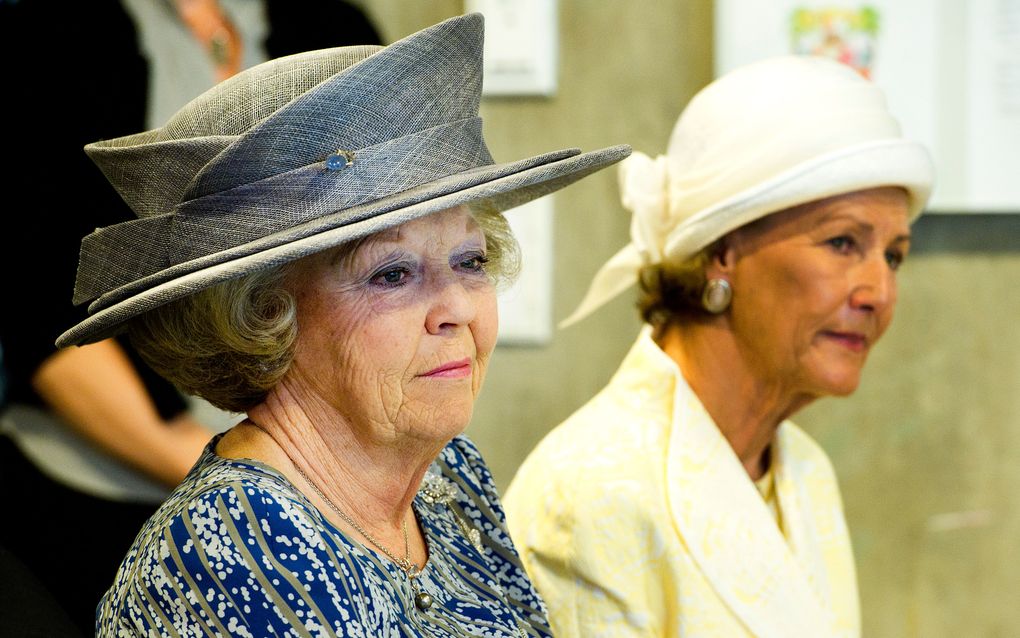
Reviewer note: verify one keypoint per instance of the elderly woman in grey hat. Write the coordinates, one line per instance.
(681, 501)
(317, 246)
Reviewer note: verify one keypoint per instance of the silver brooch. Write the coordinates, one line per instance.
(436, 490)
(472, 533)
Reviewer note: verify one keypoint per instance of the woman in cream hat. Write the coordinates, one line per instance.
(681, 501)
(317, 245)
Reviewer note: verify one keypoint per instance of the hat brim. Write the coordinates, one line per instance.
(505, 185)
(893, 162)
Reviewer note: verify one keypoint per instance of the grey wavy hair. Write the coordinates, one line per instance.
(231, 343)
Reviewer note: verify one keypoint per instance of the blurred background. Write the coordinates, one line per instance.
(927, 450)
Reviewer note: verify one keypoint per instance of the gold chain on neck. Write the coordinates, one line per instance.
(404, 563)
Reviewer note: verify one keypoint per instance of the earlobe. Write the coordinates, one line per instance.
(717, 293)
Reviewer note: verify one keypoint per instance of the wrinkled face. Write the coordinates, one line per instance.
(396, 336)
(814, 287)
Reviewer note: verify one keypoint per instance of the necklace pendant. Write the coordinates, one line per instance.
(423, 601)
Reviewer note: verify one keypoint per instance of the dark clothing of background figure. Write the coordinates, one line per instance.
(74, 73)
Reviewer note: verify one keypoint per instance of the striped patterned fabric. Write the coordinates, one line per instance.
(238, 551)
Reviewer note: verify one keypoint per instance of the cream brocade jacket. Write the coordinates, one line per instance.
(635, 518)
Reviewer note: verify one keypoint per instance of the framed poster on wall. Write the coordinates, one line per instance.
(525, 309)
(950, 70)
(520, 46)
(520, 59)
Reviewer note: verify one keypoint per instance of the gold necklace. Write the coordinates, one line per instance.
(422, 600)
(404, 563)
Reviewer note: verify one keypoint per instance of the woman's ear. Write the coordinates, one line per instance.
(723, 257)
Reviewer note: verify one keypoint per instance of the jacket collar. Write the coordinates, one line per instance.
(776, 587)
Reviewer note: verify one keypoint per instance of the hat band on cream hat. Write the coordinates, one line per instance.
(763, 138)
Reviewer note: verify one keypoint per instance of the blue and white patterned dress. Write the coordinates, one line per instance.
(237, 550)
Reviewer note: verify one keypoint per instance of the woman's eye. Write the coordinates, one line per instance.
(391, 276)
(842, 244)
(894, 258)
(474, 263)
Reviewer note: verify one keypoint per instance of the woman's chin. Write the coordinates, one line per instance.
(834, 371)
(442, 421)
(838, 383)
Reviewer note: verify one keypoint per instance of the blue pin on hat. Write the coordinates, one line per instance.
(339, 160)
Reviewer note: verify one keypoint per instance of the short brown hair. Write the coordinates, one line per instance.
(671, 291)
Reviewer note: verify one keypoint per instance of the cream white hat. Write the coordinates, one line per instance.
(760, 139)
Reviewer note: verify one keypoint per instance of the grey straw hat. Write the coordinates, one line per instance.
(297, 155)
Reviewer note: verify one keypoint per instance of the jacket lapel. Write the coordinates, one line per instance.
(814, 525)
(726, 526)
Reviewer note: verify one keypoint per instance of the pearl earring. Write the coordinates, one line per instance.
(717, 296)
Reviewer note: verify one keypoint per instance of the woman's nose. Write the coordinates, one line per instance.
(874, 286)
(451, 304)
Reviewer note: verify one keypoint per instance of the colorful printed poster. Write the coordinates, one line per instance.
(950, 71)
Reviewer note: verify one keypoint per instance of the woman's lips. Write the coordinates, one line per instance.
(853, 341)
(451, 370)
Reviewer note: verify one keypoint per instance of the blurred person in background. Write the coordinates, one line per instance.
(681, 501)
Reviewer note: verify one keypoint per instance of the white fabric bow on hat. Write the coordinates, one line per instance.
(644, 186)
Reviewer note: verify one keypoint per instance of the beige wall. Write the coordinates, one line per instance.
(928, 450)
